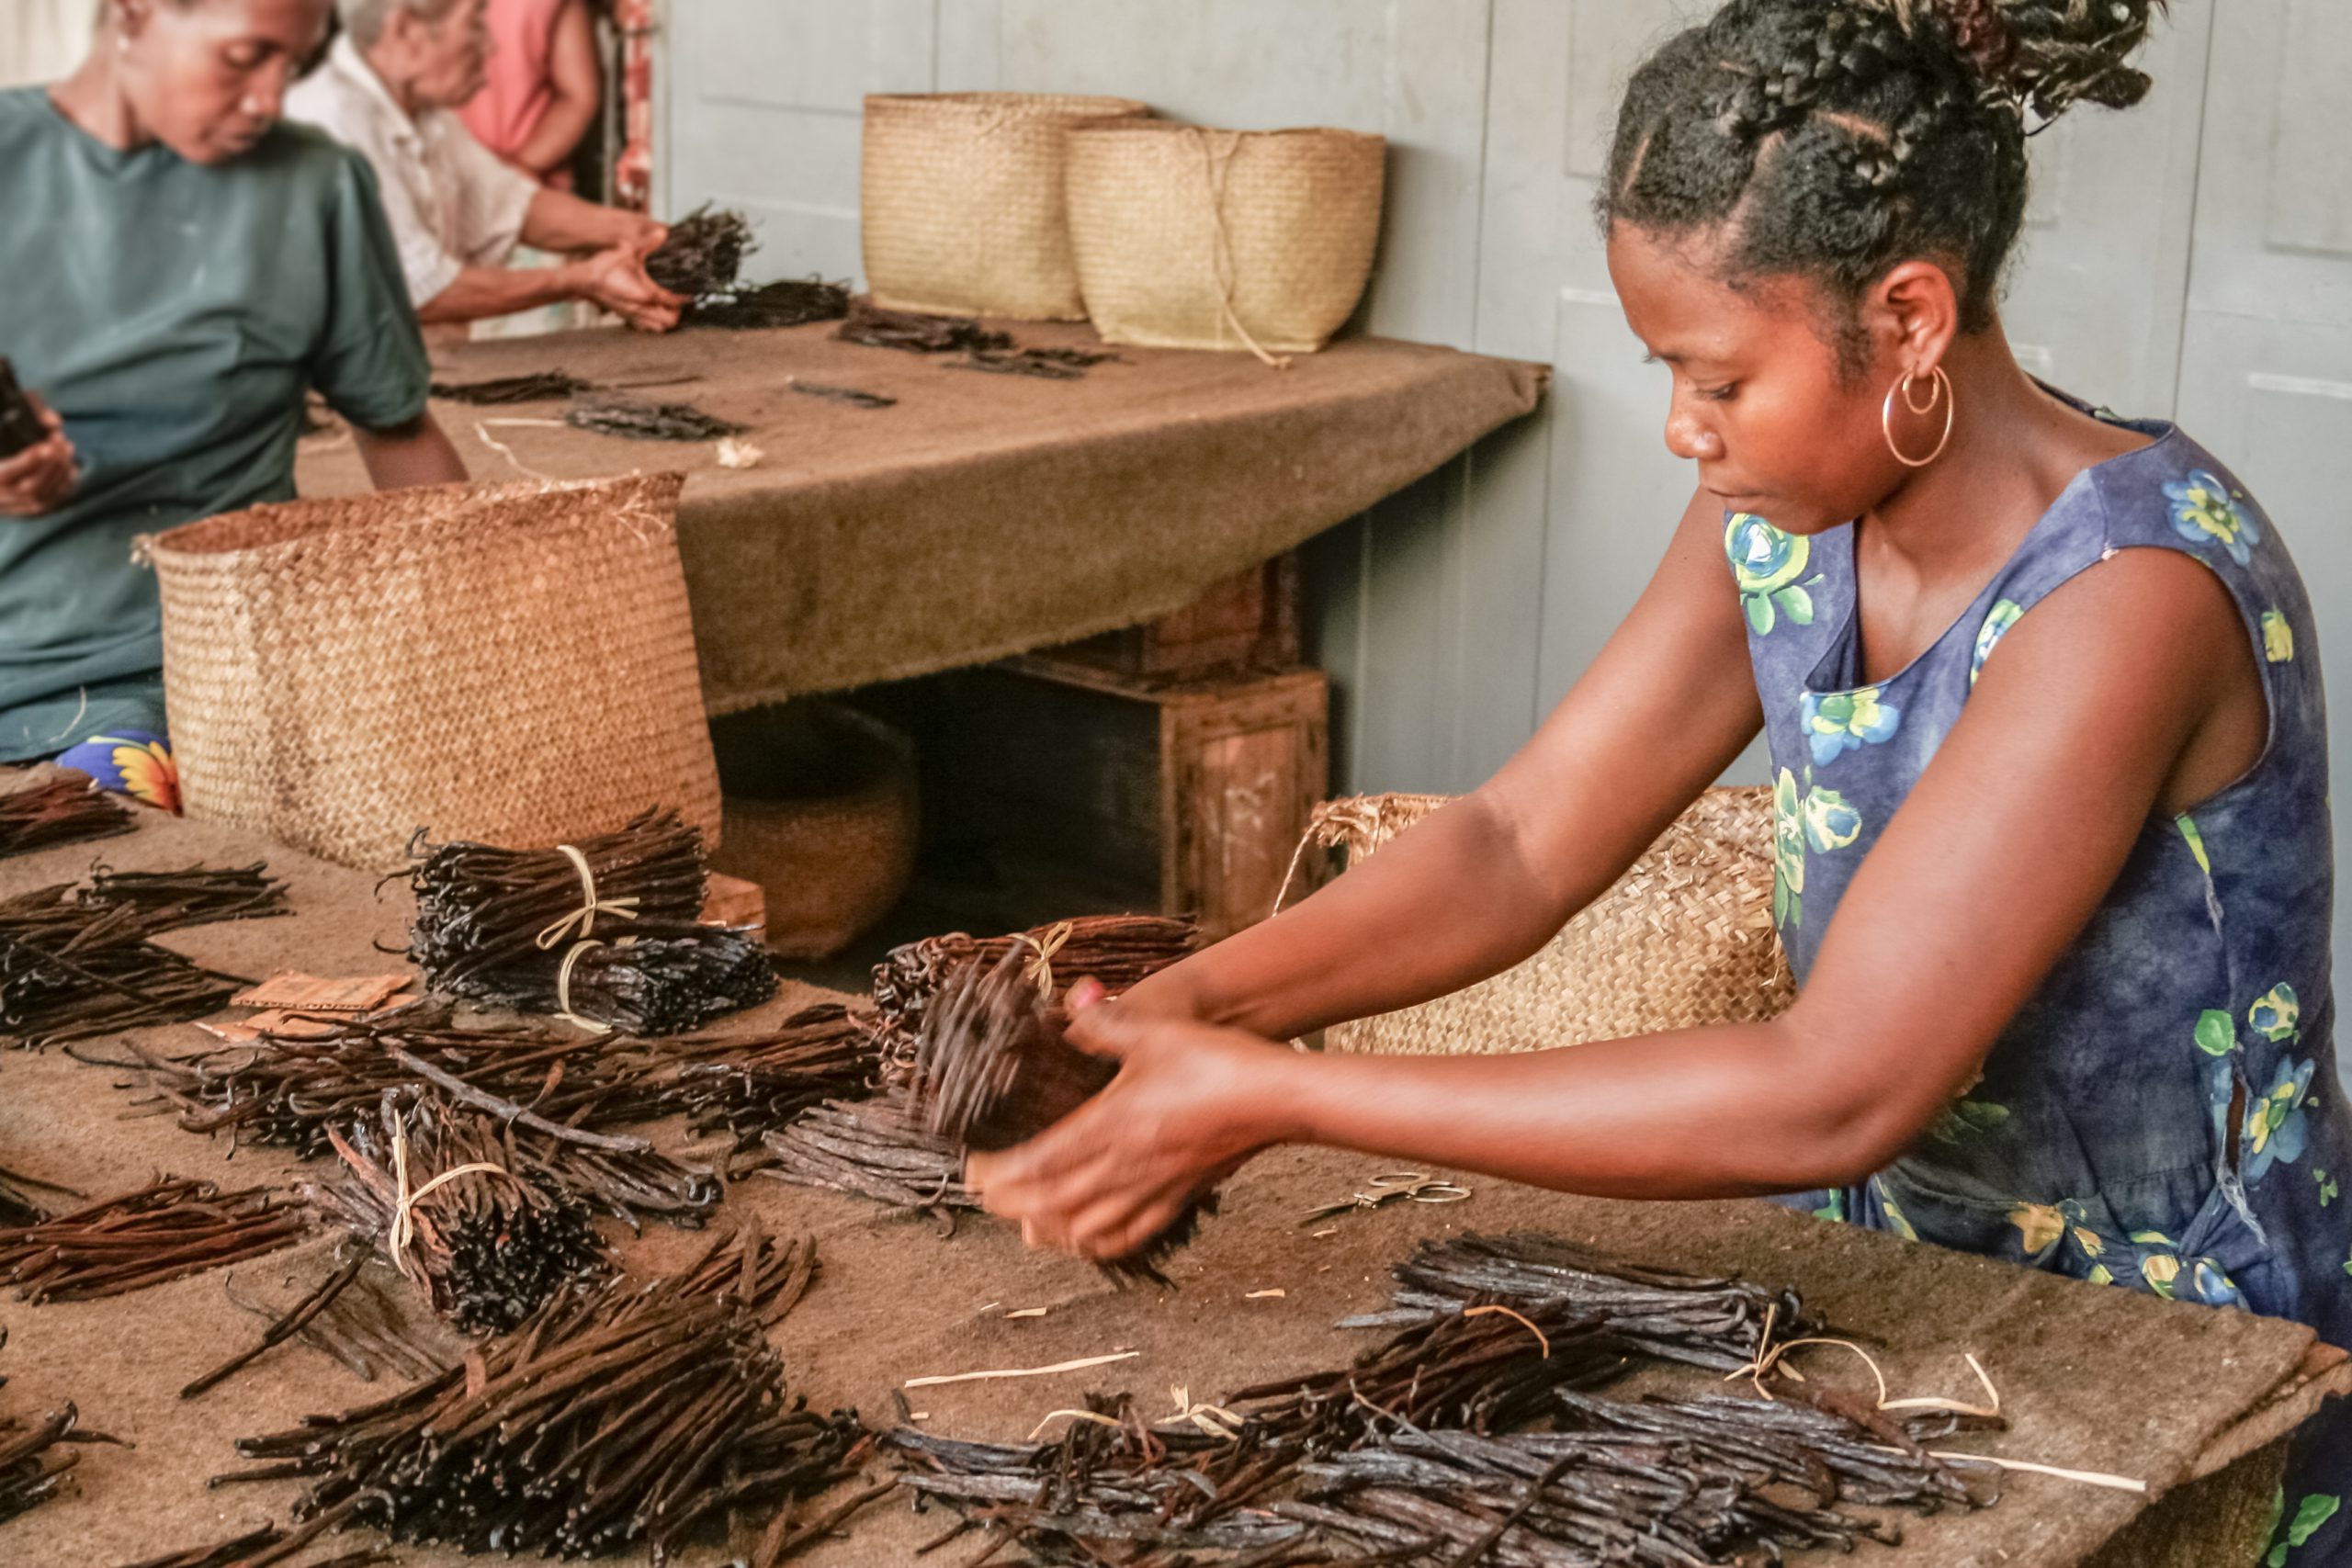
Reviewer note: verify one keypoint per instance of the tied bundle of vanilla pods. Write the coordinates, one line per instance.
(64, 808)
(163, 1231)
(1116, 951)
(436, 1191)
(787, 302)
(702, 252)
(604, 930)
(994, 1068)
(1720, 1325)
(628, 1416)
(72, 970)
(753, 1085)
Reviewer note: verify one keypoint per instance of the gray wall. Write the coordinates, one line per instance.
(2194, 255)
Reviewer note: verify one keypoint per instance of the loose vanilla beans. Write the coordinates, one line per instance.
(993, 1069)
(502, 391)
(633, 1413)
(163, 1231)
(72, 971)
(238, 1551)
(36, 1456)
(1117, 950)
(1716, 1324)
(62, 808)
(871, 1150)
(20, 428)
(364, 1326)
(18, 1205)
(197, 896)
(704, 252)
(1045, 364)
(752, 1085)
(876, 326)
(640, 419)
(789, 302)
(436, 1189)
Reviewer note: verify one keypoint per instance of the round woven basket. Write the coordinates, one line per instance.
(1685, 937)
(821, 813)
(962, 206)
(1192, 238)
(509, 663)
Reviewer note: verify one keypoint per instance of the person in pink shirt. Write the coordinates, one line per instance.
(544, 87)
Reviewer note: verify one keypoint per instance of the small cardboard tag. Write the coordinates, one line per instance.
(294, 992)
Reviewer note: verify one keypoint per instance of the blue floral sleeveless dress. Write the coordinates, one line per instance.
(2100, 1142)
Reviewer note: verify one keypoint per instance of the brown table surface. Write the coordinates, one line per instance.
(983, 515)
(2091, 1378)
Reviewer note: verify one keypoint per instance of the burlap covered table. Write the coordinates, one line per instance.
(2098, 1379)
(982, 514)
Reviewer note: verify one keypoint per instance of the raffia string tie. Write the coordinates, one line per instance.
(404, 1209)
(590, 908)
(1217, 166)
(563, 988)
(1041, 968)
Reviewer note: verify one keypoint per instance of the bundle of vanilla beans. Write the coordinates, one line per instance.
(438, 1190)
(994, 1068)
(71, 968)
(195, 895)
(983, 348)
(702, 252)
(628, 1416)
(62, 808)
(164, 1230)
(1116, 951)
(36, 1456)
(603, 929)
(787, 302)
(641, 419)
(549, 1092)
(243, 1551)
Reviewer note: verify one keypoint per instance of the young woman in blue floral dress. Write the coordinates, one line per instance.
(2047, 734)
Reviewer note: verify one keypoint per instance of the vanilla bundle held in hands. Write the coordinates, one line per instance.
(604, 931)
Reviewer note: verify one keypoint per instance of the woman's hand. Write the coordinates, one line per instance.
(1190, 1105)
(39, 478)
(615, 279)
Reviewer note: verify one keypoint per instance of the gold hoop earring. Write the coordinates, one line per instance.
(1939, 386)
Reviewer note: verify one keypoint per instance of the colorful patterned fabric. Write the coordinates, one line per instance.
(136, 762)
(2163, 1114)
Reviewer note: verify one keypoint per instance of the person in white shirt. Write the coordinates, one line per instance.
(389, 88)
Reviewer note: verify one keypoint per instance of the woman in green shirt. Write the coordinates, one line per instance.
(181, 268)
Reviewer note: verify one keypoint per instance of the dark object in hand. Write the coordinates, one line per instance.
(20, 428)
(703, 254)
(634, 419)
(993, 1068)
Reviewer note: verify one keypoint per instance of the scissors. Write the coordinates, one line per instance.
(1411, 1186)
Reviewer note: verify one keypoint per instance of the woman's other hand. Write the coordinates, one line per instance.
(39, 478)
(1191, 1104)
(615, 279)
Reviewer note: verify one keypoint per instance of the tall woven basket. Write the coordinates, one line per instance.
(1685, 937)
(962, 204)
(1192, 238)
(512, 663)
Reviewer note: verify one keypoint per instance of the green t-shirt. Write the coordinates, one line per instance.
(172, 315)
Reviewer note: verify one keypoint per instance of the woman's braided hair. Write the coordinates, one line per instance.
(1837, 138)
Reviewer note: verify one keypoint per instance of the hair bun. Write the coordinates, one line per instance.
(2045, 54)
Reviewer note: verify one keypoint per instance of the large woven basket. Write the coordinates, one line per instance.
(1684, 938)
(962, 205)
(1192, 238)
(511, 663)
(821, 812)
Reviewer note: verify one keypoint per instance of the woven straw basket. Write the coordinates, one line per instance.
(821, 813)
(1684, 938)
(962, 201)
(1192, 238)
(512, 663)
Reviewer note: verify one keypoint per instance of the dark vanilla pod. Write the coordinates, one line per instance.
(20, 428)
(63, 808)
